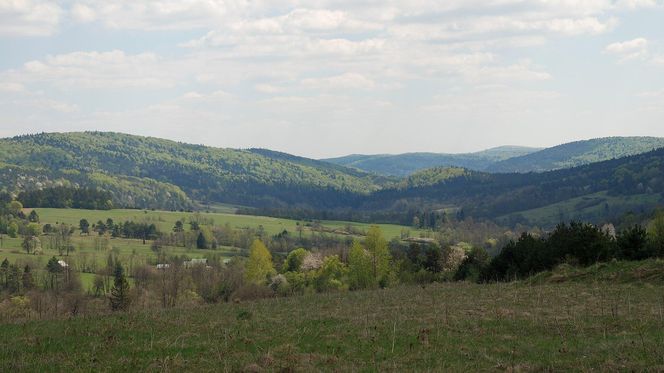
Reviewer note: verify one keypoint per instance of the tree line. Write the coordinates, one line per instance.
(67, 197)
(576, 243)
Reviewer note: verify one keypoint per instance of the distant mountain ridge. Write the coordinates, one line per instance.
(505, 159)
(401, 165)
(596, 192)
(578, 153)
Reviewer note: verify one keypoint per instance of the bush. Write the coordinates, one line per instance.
(472, 266)
(633, 244)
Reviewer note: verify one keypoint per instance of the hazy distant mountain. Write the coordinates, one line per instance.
(505, 158)
(596, 192)
(409, 163)
(578, 153)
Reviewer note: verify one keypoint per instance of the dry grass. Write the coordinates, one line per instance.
(458, 327)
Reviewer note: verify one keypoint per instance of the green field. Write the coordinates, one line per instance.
(443, 327)
(585, 208)
(166, 219)
(136, 253)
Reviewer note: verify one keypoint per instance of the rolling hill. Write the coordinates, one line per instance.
(506, 159)
(405, 164)
(176, 173)
(141, 172)
(578, 153)
(596, 192)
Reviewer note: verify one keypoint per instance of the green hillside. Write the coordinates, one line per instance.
(578, 153)
(142, 172)
(596, 192)
(406, 164)
(129, 165)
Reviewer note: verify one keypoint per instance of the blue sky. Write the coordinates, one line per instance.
(325, 78)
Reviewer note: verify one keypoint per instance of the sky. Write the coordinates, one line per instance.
(324, 78)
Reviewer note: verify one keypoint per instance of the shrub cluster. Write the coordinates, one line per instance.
(574, 243)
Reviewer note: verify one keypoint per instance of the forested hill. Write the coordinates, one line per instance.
(506, 159)
(596, 192)
(317, 164)
(578, 153)
(150, 172)
(406, 164)
(146, 172)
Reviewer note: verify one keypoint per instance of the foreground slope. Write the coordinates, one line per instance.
(444, 327)
(203, 173)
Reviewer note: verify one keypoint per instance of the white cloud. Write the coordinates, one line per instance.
(98, 70)
(267, 88)
(324, 20)
(334, 14)
(657, 60)
(630, 46)
(29, 17)
(213, 96)
(490, 25)
(522, 71)
(343, 81)
(277, 66)
(637, 4)
(11, 87)
(162, 14)
(83, 13)
(34, 103)
(629, 50)
(495, 99)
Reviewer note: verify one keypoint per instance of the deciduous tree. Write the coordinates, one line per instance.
(360, 274)
(376, 245)
(259, 265)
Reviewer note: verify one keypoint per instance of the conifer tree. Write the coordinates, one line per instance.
(27, 279)
(120, 290)
(201, 241)
(14, 279)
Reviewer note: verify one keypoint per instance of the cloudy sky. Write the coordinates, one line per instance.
(325, 78)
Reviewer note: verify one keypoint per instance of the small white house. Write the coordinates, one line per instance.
(63, 264)
(163, 266)
(195, 262)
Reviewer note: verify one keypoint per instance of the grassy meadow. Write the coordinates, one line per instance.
(135, 252)
(589, 326)
(584, 208)
(606, 317)
(166, 219)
